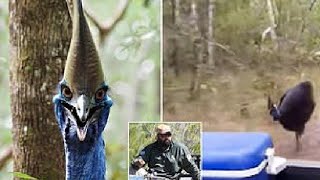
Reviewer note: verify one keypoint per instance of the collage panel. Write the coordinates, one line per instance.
(246, 67)
(73, 73)
(165, 150)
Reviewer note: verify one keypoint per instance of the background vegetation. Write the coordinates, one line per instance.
(131, 59)
(250, 63)
(143, 134)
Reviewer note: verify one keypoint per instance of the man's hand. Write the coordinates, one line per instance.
(138, 163)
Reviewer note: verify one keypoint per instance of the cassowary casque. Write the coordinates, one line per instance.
(294, 109)
(82, 105)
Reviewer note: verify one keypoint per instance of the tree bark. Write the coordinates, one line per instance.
(40, 33)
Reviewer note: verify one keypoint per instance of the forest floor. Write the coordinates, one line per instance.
(237, 101)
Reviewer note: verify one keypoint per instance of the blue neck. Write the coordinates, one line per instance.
(85, 161)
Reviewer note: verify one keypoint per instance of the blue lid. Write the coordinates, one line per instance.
(234, 151)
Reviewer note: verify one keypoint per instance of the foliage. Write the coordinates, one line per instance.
(23, 176)
(131, 58)
(142, 134)
(5, 120)
(239, 25)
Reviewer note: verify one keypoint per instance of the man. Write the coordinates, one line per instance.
(166, 156)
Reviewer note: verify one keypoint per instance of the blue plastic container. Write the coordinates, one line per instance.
(235, 156)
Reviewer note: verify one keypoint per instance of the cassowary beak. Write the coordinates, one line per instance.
(82, 132)
(82, 113)
(82, 109)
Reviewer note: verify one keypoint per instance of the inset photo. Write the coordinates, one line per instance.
(165, 150)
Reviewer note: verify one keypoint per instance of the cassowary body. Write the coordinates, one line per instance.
(294, 109)
(82, 105)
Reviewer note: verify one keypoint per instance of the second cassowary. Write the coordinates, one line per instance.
(294, 109)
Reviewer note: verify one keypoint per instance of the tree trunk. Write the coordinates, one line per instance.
(211, 62)
(176, 22)
(273, 24)
(198, 50)
(40, 33)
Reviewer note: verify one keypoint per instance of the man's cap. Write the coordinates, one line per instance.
(163, 129)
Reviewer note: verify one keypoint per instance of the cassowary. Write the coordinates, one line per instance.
(82, 104)
(294, 109)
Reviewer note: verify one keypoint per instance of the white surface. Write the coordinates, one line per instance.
(276, 165)
(303, 163)
(235, 174)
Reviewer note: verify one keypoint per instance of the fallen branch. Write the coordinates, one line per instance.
(5, 156)
(109, 24)
(183, 88)
(227, 49)
(312, 4)
(223, 47)
(265, 33)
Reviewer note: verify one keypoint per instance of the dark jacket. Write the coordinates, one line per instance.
(170, 161)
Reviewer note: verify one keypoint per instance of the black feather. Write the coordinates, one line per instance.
(295, 108)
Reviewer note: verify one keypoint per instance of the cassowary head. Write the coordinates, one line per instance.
(82, 104)
(273, 110)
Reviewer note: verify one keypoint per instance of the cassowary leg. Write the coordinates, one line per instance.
(298, 142)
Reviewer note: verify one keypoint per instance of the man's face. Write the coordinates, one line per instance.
(164, 139)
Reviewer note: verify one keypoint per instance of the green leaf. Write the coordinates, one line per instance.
(23, 176)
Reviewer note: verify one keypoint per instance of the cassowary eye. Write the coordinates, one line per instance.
(66, 92)
(100, 94)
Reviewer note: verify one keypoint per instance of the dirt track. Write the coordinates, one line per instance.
(284, 141)
(243, 109)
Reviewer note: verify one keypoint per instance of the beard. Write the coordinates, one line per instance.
(164, 144)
